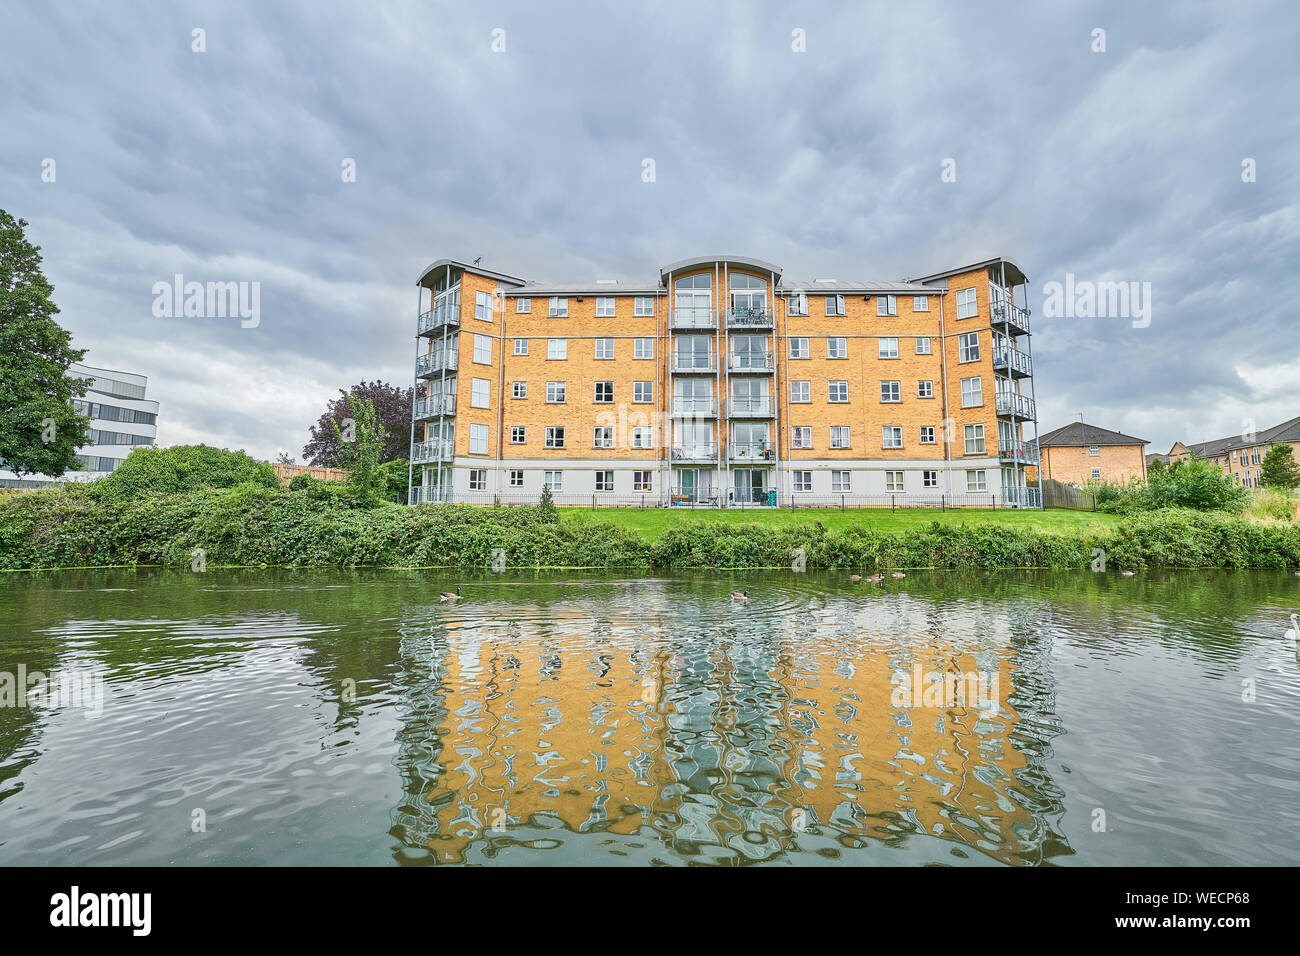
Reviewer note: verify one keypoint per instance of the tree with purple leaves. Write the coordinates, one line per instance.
(392, 408)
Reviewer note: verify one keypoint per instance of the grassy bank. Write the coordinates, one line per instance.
(78, 526)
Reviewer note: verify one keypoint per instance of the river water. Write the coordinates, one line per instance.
(343, 718)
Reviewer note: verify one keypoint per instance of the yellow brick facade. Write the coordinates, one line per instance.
(1074, 465)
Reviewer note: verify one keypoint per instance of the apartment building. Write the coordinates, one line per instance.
(1240, 456)
(1079, 453)
(121, 419)
(720, 381)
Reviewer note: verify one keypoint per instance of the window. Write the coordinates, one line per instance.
(839, 436)
(974, 435)
(975, 481)
(643, 305)
(1094, 451)
(801, 391)
(604, 393)
(602, 436)
(927, 434)
(888, 348)
(835, 305)
(518, 434)
(643, 481)
(643, 436)
(891, 391)
(837, 392)
(972, 392)
(920, 303)
(478, 439)
(1096, 474)
(923, 345)
(925, 389)
(604, 348)
(643, 348)
(893, 481)
(553, 480)
(891, 436)
(559, 307)
(518, 389)
(557, 348)
(604, 306)
(523, 305)
(799, 348)
(478, 479)
(643, 392)
(837, 347)
(886, 305)
(480, 390)
(554, 436)
(803, 481)
(555, 392)
(482, 349)
(801, 436)
(842, 481)
(483, 306)
(929, 479)
(966, 303)
(516, 478)
(798, 304)
(968, 347)
(521, 346)
(604, 481)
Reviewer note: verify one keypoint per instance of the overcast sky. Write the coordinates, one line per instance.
(226, 165)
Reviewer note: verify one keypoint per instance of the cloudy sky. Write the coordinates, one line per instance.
(226, 165)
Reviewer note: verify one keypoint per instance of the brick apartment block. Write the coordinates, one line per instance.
(719, 381)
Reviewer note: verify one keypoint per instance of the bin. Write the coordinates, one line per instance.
(771, 498)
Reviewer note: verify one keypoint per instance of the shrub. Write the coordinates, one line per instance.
(301, 482)
(182, 468)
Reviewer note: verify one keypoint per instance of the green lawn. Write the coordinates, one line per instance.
(652, 521)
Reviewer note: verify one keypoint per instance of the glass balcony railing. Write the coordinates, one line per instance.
(426, 451)
(749, 319)
(444, 315)
(1012, 317)
(435, 405)
(1018, 452)
(694, 451)
(750, 451)
(683, 405)
(434, 363)
(751, 361)
(760, 407)
(1022, 497)
(702, 318)
(1015, 405)
(1013, 362)
(689, 362)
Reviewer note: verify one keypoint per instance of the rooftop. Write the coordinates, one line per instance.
(1083, 434)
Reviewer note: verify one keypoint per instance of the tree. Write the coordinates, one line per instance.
(284, 458)
(148, 472)
(1278, 469)
(40, 431)
(392, 407)
(1157, 466)
(360, 446)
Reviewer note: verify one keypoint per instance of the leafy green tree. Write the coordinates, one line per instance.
(148, 472)
(547, 505)
(360, 448)
(1157, 466)
(40, 431)
(1278, 469)
(393, 409)
(1195, 483)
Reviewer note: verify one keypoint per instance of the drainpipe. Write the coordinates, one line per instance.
(943, 361)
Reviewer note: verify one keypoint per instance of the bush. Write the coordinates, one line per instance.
(301, 482)
(1194, 484)
(183, 468)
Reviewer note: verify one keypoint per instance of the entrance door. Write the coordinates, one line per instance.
(748, 485)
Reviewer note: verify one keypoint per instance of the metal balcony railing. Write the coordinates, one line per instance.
(426, 451)
(694, 406)
(757, 451)
(750, 407)
(1012, 317)
(1018, 452)
(1013, 362)
(749, 319)
(751, 361)
(434, 363)
(444, 315)
(1022, 497)
(1015, 405)
(691, 362)
(693, 318)
(435, 405)
(433, 494)
(694, 451)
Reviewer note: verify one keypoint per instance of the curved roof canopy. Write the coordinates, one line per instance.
(758, 265)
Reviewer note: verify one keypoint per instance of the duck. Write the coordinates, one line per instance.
(740, 596)
(1127, 574)
(855, 577)
(876, 578)
(897, 574)
(448, 597)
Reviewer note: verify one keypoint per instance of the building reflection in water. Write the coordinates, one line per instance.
(721, 736)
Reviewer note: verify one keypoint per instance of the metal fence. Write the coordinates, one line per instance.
(727, 498)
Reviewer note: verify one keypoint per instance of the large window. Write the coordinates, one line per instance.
(480, 391)
(966, 303)
(972, 392)
(604, 306)
(968, 347)
(478, 439)
(483, 349)
(974, 435)
(891, 392)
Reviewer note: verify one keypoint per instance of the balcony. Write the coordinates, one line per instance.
(751, 362)
(435, 363)
(1010, 318)
(693, 451)
(445, 315)
(1015, 406)
(432, 494)
(692, 319)
(1018, 452)
(701, 407)
(435, 406)
(1022, 497)
(1013, 362)
(423, 452)
(760, 407)
(749, 319)
(759, 452)
(693, 363)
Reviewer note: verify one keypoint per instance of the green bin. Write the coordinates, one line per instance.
(771, 498)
